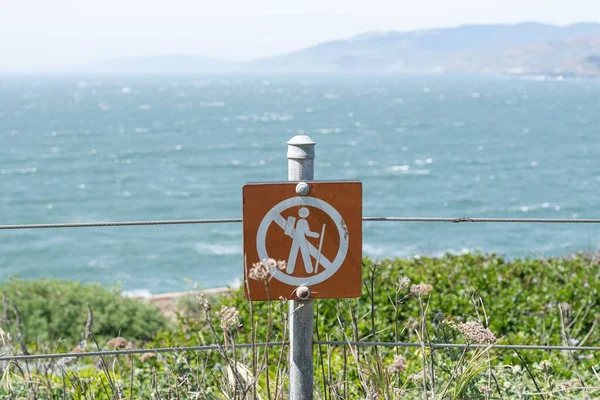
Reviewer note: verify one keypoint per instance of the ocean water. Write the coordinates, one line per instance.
(102, 148)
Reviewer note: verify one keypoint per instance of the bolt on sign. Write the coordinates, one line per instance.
(318, 234)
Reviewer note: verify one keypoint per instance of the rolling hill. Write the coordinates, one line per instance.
(525, 48)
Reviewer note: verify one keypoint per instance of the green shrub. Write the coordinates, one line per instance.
(53, 311)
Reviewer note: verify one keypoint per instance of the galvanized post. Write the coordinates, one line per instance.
(301, 154)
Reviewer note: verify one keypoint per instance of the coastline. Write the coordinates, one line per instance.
(167, 302)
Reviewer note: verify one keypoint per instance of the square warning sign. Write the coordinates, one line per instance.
(312, 240)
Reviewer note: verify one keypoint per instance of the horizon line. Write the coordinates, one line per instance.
(69, 68)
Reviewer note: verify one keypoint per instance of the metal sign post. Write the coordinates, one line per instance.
(315, 228)
(301, 155)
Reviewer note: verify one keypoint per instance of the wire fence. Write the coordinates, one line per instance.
(454, 220)
(212, 347)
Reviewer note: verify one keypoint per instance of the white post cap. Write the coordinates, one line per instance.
(301, 147)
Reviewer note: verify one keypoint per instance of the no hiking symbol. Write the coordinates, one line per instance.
(316, 239)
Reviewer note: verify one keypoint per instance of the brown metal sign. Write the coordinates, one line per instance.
(312, 240)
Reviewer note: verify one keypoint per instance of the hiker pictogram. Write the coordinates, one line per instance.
(299, 234)
(303, 253)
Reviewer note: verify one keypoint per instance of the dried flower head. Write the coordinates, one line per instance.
(421, 289)
(281, 265)
(398, 365)
(117, 343)
(403, 282)
(230, 318)
(259, 272)
(545, 366)
(204, 303)
(262, 270)
(477, 333)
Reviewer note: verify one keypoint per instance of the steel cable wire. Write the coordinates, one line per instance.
(238, 220)
(274, 344)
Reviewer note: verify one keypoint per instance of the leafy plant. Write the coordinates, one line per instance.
(55, 311)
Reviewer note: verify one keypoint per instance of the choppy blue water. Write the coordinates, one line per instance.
(134, 148)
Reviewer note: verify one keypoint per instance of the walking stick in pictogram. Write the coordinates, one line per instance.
(316, 268)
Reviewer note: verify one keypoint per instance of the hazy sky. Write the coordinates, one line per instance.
(50, 33)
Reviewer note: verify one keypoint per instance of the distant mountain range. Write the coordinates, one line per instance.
(522, 49)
